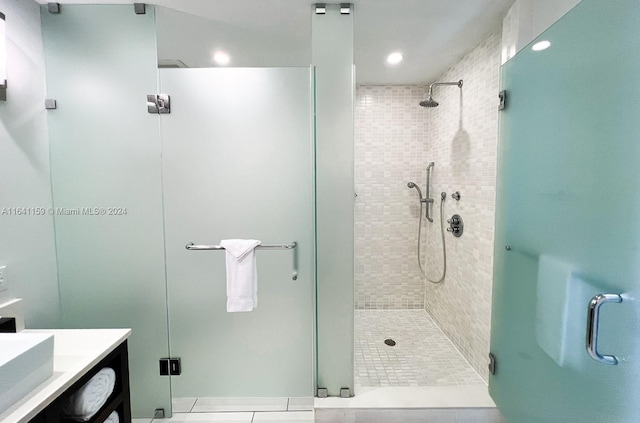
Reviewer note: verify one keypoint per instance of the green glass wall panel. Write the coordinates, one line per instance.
(237, 163)
(567, 221)
(332, 52)
(106, 177)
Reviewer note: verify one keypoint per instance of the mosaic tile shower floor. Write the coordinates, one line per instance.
(422, 356)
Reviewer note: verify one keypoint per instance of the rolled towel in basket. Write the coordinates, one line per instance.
(113, 418)
(89, 399)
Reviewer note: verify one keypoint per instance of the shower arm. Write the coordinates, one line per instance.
(459, 84)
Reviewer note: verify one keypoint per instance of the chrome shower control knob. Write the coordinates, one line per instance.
(456, 226)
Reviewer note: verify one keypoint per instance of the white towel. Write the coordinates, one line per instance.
(89, 399)
(242, 276)
(561, 304)
(113, 418)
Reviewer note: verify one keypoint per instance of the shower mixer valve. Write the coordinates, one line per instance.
(456, 226)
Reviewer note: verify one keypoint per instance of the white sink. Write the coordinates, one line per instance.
(26, 360)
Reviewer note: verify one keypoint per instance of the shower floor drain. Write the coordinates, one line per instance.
(390, 342)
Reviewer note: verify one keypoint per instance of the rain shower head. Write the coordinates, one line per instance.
(430, 102)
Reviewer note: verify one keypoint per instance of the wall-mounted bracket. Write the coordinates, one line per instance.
(158, 104)
(50, 104)
(53, 8)
(502, 95)
(139, 8)
(322, 393)
(170, 366)
(492, 364)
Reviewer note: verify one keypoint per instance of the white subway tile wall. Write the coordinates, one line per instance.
(394, 141)
(390, 150)
(462, 141)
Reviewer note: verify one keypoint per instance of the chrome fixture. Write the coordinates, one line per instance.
(428, 197)
(345, 8)
(413, 185)
(456, 196)
(158, 103)
(430, 102)
(443, 195)
(321, 8)
(192, 247)
(456, 226)
(593, 318)
(427, 200)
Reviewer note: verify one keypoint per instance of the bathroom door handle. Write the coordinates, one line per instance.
(593, 317)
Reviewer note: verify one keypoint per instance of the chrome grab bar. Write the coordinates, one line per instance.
(193, 247)
(593, 317)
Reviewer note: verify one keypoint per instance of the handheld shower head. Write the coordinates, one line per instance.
(413, 185)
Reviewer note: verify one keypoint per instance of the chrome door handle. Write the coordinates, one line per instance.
(593, 317)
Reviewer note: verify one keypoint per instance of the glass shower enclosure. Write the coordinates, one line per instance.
(233, 159)
(567, 221)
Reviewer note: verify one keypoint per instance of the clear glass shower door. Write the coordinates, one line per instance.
(238, 163)
(568, 223)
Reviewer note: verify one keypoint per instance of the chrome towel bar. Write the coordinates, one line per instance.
(193, 247)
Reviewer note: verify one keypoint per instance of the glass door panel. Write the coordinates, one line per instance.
(568, 221)
(106, 183)
(237, 163)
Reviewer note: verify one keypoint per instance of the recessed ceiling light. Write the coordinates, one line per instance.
(221, 58)
(541, 45)
(394, 58)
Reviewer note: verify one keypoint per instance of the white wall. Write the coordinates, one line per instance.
(26, 241)
(527, 19)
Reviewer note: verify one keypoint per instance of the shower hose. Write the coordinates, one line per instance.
(444, 250)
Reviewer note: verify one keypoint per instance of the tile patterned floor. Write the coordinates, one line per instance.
(239, 410)
(422, 356)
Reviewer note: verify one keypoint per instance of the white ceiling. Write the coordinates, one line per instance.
(431, 34)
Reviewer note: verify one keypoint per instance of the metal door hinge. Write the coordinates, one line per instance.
(158, 103)
(54, 8)
(170, 366)
(502, 95)
(492, 364)
(139, 8)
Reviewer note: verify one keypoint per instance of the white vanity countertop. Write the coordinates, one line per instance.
(75, 352)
